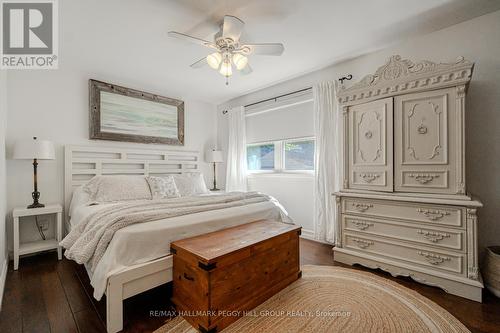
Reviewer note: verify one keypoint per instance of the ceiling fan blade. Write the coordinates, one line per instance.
(232, 27)
(191, 39)
(274, 49)
(246, 70)
(200, 63)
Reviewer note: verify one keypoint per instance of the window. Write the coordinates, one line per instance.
(260, 157)
(295, 155)
(299, 155)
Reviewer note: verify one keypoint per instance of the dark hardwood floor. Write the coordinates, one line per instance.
(47, 295)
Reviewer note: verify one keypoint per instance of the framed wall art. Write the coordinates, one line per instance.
(123, 114)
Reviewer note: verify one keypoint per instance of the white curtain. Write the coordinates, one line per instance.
(236, 174)
(327, 157)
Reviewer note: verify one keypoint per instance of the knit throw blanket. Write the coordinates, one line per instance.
(88, 241)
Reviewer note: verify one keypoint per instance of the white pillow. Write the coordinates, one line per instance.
(163, 187)
(190, 184)
(79, 198)
(117, 188)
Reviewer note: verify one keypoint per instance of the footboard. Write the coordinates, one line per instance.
(131, 282)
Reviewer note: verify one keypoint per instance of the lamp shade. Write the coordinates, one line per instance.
(226, 69)
(214, 156)
(240, 61)
(34, 148)
(214, 60)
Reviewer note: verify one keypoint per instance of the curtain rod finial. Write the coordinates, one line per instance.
(348, 77)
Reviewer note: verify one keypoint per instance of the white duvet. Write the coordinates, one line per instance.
(143, 242)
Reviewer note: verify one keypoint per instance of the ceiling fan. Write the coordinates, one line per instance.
(229, 50)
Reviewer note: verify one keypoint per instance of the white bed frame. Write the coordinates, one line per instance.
(81, 163)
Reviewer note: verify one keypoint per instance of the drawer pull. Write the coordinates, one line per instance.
(369, 177)
(433, 236)
(362, 243)
(423, 178)
(361, 207)
(187, 277)
(434, 259)
(433, 215)
(362, 225)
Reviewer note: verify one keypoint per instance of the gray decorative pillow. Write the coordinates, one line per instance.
(190, 183)
(117, 188)
(163, 187)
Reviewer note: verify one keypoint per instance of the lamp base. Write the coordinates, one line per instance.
(36, 205)
(36, 195)
(214, 189)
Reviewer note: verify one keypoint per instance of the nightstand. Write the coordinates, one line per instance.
(42, 245)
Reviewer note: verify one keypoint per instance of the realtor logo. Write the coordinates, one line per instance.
(29, 34)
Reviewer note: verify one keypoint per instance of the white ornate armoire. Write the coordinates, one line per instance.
(403, 206)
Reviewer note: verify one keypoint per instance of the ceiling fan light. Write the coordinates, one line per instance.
(226, 69)
(240, 61)
(214, 60)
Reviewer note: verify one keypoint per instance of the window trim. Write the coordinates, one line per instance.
(279, 157)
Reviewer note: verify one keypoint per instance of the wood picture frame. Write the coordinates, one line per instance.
(128, 115)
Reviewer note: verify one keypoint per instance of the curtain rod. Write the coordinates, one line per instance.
(274, 98)
(348, 77)
(280, 96)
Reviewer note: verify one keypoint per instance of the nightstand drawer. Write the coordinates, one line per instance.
(434, 214)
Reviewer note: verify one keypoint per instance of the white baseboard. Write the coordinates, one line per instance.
(3, 277)
(307, 234)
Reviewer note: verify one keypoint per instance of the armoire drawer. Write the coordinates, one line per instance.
(423, 180)
(442, 260)
(408, 231)
(435, 214)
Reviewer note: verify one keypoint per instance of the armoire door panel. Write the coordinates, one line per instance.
(369, 136)
(370, 145)
(424, 126)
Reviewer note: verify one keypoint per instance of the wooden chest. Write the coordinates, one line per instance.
(220, 275)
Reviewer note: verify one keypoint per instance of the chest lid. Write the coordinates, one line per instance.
(208, 248)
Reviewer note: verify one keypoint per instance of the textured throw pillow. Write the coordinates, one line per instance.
(117, 188)
(191, 183)
(163, 187)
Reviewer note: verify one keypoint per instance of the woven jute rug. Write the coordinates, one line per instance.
(334, 299)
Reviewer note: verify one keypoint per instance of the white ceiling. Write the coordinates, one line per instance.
(130, 37)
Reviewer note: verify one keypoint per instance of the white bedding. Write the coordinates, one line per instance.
(143, 242)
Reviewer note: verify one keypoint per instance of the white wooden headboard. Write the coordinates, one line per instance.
(81, 163)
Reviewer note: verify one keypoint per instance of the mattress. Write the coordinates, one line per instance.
(143, 242)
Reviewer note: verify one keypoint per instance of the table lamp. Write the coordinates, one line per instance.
(34, 150)
(214, 156)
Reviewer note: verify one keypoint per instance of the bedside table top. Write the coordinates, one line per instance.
(48, 209)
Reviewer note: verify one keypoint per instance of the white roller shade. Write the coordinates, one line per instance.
(292, 118)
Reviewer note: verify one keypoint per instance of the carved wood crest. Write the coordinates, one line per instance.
(399, 75)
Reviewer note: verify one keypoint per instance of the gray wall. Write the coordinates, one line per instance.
(477, 40)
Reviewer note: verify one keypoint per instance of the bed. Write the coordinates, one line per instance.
(138, 258)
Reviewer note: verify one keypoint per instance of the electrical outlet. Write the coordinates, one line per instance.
(44, 224)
